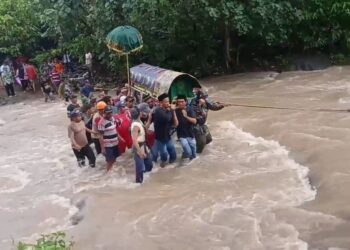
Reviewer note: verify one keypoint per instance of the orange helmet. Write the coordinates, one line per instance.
(101, 105)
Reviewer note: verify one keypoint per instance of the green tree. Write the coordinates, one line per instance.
(19, 27)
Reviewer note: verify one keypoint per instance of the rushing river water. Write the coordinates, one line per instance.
(272, 179)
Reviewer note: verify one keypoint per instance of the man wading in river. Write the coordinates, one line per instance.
(77, 134)
(201, 105)
(185, 130)
(143, 162)
(164, 119)
(109, 137)
(95, 121)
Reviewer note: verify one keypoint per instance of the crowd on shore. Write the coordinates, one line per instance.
(49, 77)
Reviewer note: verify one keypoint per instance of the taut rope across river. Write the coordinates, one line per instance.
(284, 108)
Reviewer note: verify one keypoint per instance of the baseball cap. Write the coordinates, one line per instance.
(144, 108)
(101, 105)
(75, 113)
(108, 109)
(122, 99)
(134, 113)
(120, 105)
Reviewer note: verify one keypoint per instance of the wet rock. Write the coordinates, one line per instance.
(81, 204)
(76, 219)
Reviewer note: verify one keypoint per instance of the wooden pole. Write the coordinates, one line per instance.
(127, 67)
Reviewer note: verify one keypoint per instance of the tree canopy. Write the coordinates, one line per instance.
(197, 36)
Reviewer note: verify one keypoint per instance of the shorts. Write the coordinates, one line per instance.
(112, 153)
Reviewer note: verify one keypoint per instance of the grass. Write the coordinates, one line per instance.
(54, 241)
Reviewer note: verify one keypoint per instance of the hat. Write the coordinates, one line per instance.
(134, 113)
(120, 105)
(122, 99)
(162, 97)
(101, 105)
(108, 109)
(144, 108)
(75, 113)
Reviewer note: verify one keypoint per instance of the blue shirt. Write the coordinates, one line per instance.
(87, 90)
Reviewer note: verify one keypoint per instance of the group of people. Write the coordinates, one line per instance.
(116, 124)
(25, 75)
(52, 72)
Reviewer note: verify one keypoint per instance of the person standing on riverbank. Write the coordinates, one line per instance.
(7, 78)
(47, 90)
(80, 145)
(67, 62)
(23, 76)
(87, 90)
(55, 79)
(88, 61)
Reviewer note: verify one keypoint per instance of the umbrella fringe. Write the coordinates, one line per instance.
(119, 50)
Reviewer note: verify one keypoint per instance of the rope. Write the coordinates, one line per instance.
(284, 108)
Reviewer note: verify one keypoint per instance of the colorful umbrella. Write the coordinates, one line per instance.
(125, 40)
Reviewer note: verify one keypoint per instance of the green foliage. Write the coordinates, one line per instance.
(196, 36)
(45, 56)
(18, 27)
(55, 241)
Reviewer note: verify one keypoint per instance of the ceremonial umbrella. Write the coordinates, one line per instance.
(125, 40)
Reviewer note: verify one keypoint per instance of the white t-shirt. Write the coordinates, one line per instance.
(5, 70)
(88, 58)
(95, 120)
(66, 58)
(142, 134)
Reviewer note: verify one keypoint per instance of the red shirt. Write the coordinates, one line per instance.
(123, 122)
(31, 72)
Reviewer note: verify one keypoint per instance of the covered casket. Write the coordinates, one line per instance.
(153, 81)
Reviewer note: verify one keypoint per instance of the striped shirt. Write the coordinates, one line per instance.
(55, 78)
(108, 130)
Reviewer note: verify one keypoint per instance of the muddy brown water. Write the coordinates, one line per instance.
(272, 179)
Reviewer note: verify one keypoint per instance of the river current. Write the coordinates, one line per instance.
(272, 179)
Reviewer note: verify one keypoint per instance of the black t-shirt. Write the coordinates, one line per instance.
(163, 121)
(46, 87)
(144, 119)
(185, 128)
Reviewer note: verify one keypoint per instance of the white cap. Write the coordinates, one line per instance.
(122, 99)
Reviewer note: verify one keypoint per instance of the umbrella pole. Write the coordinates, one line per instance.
(127, 67)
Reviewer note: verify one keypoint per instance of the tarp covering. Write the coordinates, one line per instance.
(155, 81)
